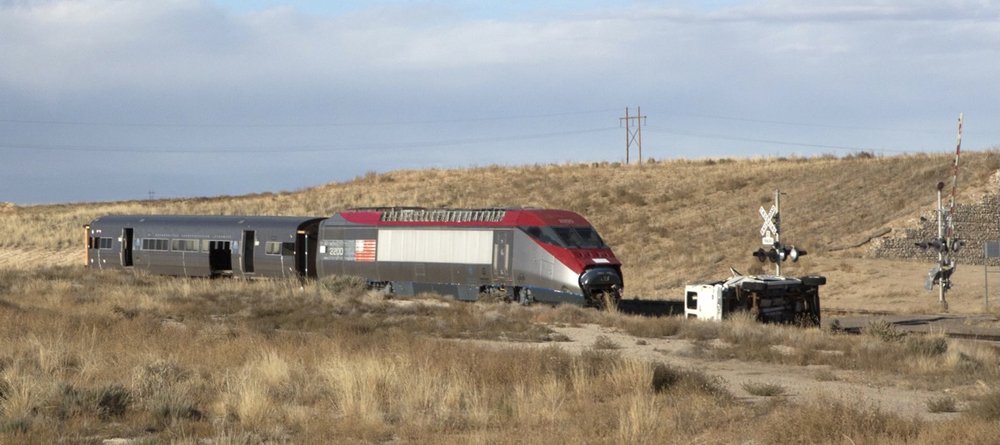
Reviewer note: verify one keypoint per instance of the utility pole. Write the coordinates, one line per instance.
(633, 136)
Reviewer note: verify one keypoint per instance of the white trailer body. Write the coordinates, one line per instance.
(769, 298)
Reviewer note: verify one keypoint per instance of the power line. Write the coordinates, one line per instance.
(804, 124)
(768, 141)
(364, 123)
(300, 148)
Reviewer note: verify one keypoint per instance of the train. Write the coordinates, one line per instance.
(523, 255)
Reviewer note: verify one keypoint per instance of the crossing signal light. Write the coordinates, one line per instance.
(935, 244)
(760, 254)
(795, 254)
(779, 254)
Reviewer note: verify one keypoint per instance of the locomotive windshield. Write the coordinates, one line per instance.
(569, 237)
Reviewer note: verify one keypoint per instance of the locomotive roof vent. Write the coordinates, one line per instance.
(443, 215)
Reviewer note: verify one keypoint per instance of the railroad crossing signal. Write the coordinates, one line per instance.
(946, 243)
(770, 228)
(771, 237)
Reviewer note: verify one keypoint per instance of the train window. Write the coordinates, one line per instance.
(580, 237)
(101, 243)
(184, 245)
(544, 234)
(154, 244)
(272, 248)
(216, 245)
(279, 248)
(590, 238)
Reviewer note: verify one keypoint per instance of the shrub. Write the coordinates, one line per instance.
(668, 379)
(113, 400)
(987, 407)
(941, 405)
(347, 285)
(928, 346)
(826, 375)
(763, 389)
(109, 401)
(20, 426)
(882, 330)
(604, 342)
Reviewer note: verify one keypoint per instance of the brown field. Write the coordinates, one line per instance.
(88, 356)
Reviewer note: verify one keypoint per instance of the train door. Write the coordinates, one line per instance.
(127, 247)
(220, 257)
(305, 258)
(249, 242)
(501, 255)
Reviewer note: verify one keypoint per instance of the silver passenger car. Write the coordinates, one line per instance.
(198, 245)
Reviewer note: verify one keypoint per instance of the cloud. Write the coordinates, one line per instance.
(187, 74)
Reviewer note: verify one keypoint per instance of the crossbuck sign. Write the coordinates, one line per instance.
(768, 230)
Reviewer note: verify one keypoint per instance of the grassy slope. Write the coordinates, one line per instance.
(670, 222)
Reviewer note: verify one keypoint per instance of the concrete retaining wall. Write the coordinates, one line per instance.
(974, 223)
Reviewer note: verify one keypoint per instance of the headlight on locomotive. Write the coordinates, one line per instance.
(599, 284)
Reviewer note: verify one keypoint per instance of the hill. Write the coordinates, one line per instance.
(671, 222)
(88, 356)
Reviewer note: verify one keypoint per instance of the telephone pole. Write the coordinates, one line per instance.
(633, 136)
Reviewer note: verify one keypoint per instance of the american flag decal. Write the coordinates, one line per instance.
(364, 250)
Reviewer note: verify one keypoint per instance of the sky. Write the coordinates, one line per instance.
(104, 100)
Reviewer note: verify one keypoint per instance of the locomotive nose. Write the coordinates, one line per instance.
(599, 283)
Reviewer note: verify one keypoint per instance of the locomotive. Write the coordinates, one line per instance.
(519, 254)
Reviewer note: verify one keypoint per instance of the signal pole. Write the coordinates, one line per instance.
(941, 255)
(777, 227)
(946, 244)
(633, 136)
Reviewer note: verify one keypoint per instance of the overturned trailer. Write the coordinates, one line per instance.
(769, 298)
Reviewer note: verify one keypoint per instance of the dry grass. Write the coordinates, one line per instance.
(86, 354)
(928, 361)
